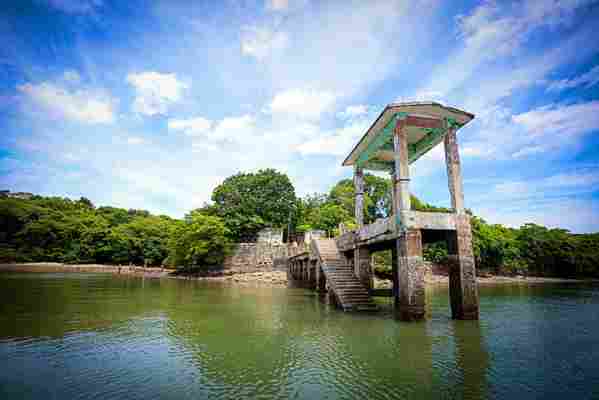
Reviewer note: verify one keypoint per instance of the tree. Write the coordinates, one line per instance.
(249, 201)
(377, 197)
(327, 217)
(202, 242)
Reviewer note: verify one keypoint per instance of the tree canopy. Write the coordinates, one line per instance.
(247, 202)
(199, 241)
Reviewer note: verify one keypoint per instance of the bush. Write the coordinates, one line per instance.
(383, 272)
(435, 252)
(201, 242)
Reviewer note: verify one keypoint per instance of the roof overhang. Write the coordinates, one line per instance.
(426, 123)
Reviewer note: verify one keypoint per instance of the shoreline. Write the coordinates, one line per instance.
(269, 277)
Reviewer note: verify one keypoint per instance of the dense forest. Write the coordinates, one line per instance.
(76, 231)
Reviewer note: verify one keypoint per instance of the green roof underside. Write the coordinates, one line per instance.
(383, 141)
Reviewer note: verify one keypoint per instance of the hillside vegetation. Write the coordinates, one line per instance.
(75, 231)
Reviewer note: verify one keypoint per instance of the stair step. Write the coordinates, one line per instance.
(348, 289)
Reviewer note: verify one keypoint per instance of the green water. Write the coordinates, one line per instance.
(94, 336)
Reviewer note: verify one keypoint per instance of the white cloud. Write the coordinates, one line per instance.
(477, 150)
(353, 111)
(261, 42)
(277, 5)
(135, 140)
(155, 92)
(575, 214)
(556, 200)
(215, 136)
(339, 143)
(584, 180)
(564, 120)
(496, 30)
(87, 106)
(191, 126)
(285, 5)
(233, 128)
(304, 103)
(528, 151)
(587, 80)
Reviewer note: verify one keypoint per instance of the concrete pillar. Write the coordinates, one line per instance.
(410, 276)
(304, 270)
(395, 276)
(463, 288)
(362, 267)
(321, 282)
(454, 173)
(359, 189)
(402, 169)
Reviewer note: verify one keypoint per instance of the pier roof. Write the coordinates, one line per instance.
(427, 123)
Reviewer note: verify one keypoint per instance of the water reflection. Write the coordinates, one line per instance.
(472, 360)
(106, 337)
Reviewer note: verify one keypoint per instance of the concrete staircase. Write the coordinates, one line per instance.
(349, 292)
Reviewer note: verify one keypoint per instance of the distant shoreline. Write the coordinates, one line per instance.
(266, 277)
(97, 268)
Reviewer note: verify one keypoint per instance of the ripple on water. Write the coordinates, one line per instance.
(94, 336)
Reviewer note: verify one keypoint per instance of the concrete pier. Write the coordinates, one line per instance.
(401, 134)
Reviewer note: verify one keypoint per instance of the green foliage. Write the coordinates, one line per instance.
(495, 247)
(202, 242)
(382, 265)
(377, 197)
(248, 202)
(435, 252)
(62, 230)
(383, 272)
(326, 217)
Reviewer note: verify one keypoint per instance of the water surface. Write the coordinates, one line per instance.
(95, 336)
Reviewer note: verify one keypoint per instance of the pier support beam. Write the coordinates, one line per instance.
(401, 175)
(395, 275)
(321, 282)
(454, 172)
(359, 190)
(463, 289)
(410, 276)
(362, 267)
(410, 268)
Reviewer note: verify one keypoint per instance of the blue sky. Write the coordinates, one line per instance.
(151, 104)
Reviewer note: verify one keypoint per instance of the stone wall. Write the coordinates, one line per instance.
(270, 235)
(261, 256)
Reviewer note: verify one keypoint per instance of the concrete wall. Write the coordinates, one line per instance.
(249, 257)
(270, 235)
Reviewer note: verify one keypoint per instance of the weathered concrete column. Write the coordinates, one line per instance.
(305, 270)
(362, 266)
(401, 182)
(294, 270)
(454, 172)
(359, 189)
(321, 281)
(395, 275)
(394, 272)
(463, 288)
(410, 276)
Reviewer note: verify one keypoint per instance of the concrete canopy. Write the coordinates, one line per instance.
(426, 123)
